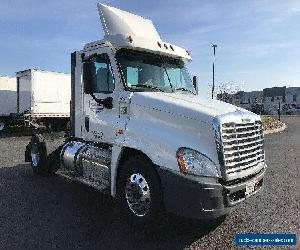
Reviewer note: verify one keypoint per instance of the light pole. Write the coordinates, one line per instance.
(213, 86)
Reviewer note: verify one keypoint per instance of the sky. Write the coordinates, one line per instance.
(258, 40)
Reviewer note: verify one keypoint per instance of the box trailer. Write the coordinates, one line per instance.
(8, 98)
(37, 98)
(43, 97)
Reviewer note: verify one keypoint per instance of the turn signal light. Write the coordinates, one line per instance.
(119, 131)
(181, 162)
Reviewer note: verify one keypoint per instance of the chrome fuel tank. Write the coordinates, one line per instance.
(69, 153)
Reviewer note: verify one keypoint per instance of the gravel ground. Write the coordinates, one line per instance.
(43, 213)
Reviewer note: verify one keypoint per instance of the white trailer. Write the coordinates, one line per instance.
(36, 97)
(8, 98)
(43, 97)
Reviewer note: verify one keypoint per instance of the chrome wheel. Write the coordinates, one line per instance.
(35, 159)
(137, 193)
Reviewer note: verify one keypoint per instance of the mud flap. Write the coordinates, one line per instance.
(53, 160)
(27, 152)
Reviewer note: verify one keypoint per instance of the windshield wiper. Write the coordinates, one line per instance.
(185, 89)
(147, 86)
(161, 58)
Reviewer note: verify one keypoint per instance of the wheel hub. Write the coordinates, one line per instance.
(1, 126)
(35, 158)
(137, 192)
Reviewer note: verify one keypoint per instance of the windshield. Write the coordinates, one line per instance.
(144, 71)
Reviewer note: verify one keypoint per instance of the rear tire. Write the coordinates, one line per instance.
(41, 162)
(38, 155)
(2, 126)
(139, 191)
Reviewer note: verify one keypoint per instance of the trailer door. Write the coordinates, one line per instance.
(24, 92)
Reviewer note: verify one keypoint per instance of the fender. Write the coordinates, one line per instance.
(160, 140)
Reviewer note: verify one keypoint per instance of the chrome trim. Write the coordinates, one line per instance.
(89, 164)
(137, 194)
(70, 152)
(219, 145)
(35, 159)
(239, 144)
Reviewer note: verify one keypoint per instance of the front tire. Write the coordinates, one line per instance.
(140, 190)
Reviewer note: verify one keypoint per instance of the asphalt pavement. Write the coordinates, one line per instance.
(45, 213)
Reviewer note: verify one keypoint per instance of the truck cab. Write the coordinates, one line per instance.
(141, 132)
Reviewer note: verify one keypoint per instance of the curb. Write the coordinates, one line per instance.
(276, 130)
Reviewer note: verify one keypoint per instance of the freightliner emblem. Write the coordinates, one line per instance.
(246, 120)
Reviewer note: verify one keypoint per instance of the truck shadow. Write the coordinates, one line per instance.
(55, 212)
(8, 134)
(21, 132)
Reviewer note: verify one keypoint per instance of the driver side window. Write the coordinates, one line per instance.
(97, 75)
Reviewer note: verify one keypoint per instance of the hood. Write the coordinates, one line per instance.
(187, 105)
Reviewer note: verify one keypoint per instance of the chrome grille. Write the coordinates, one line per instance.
(242, 145)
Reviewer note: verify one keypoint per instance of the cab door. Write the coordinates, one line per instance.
(100, 97)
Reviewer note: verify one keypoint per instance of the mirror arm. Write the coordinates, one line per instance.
(107, 102)
(99, 101)
(86, 59)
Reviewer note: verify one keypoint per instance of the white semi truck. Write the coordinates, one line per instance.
(35, 98)
(141, 132)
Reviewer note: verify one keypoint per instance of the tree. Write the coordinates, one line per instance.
(225, 91)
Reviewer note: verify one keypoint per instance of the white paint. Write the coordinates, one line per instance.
(118, 25)
(156, 123)
(44, 93)
(8, 95)
(119, 22)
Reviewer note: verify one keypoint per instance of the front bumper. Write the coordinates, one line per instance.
(204, 197)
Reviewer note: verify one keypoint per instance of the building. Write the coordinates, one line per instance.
(292, 101)
(269, 100)
(248, 100)
(273, 99)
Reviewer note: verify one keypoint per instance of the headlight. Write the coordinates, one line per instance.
(195, 163)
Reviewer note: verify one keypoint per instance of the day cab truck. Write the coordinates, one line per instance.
(140, 131)
(35, 98)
